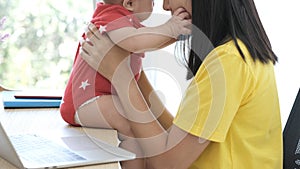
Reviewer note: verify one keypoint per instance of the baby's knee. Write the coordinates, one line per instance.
(125, 130)
(131, 144)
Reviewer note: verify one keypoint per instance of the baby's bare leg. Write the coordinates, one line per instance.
(106, 112)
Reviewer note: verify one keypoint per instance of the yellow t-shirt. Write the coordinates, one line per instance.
(234, 104)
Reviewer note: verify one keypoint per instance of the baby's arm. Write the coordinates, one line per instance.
(151, 38)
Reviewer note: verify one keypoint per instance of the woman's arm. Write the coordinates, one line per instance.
(173, 149)
(165, 149)
(156, 106)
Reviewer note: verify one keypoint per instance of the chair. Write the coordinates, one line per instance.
(291, 137)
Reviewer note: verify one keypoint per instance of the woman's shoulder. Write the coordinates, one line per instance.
(227, 52)
(230, 52)
(230, 48)
(228, 57)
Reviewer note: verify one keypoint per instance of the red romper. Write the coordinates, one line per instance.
(85, 83)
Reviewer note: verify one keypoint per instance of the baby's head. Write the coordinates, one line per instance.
(141, 8)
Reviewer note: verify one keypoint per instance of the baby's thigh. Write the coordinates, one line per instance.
(104, 112)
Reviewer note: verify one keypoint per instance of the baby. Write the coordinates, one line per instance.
(89, 97)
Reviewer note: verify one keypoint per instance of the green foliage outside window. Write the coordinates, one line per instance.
(43, 39)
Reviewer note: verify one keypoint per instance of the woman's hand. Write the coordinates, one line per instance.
(101, 53)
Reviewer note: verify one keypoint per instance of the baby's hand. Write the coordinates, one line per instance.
(180, 23)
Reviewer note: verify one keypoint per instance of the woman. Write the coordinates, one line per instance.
(229, 117)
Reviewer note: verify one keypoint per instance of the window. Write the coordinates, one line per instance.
(43, 38)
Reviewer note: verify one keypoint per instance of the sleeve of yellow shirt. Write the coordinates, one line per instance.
(214, 96)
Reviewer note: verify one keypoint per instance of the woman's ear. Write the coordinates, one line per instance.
(128, 4)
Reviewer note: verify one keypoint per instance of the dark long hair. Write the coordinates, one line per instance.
(224, 20)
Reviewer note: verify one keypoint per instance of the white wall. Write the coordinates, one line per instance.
(281, 21)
